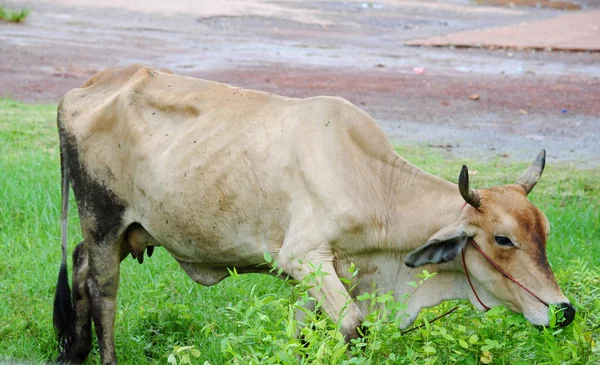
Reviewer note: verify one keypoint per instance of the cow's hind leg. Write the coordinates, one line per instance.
(77, 351)
(101, 286)
(101, 214)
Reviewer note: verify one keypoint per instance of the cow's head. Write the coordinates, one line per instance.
(513, 233)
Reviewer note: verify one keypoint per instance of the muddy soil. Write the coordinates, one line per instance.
(526, 101)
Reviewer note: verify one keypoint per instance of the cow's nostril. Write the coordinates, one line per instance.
(568, 314)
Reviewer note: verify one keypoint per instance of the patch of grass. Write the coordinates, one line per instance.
(247, 318)
(13, 16)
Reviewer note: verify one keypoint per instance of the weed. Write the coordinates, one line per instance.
(13, 16)
(183, 355)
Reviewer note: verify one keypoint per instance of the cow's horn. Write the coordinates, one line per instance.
(469, 195)
(533, 173)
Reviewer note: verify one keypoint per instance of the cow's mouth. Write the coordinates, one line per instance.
(541, 317)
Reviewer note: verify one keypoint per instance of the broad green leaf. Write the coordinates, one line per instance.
(172, 359)
(268, 257)
(285, 358)
(429, 350)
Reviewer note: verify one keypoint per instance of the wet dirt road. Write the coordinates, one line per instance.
(527, 100)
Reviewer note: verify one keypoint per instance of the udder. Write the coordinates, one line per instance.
(137, 241)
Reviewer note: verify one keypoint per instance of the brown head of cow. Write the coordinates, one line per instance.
(502, 239)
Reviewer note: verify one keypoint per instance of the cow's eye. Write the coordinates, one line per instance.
(504, 241)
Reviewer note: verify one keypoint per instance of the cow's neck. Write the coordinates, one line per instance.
(411, 205)
(421, 204)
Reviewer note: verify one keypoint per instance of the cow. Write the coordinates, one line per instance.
(219, 176)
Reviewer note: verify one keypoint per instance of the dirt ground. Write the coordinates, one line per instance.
(527, 100)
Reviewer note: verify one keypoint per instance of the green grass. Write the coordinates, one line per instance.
(159, 307)
(13, 16)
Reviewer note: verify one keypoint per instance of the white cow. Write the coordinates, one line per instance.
(219, 175)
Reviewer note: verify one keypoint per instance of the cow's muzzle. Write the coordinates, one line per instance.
(568, 314)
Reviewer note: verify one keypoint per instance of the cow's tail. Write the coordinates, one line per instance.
(64, 314)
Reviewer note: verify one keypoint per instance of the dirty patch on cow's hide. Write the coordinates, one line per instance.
(93, 199)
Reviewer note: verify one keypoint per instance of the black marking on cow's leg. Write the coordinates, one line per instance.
(81, 303)
(80, 345)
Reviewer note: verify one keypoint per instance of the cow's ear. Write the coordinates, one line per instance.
(443, 246)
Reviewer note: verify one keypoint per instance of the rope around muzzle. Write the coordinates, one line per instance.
(494, 264)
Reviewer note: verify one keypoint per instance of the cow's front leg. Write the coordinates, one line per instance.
(102, 285)
(327, 290)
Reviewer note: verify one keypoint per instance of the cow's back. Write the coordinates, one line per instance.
(221, 163)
